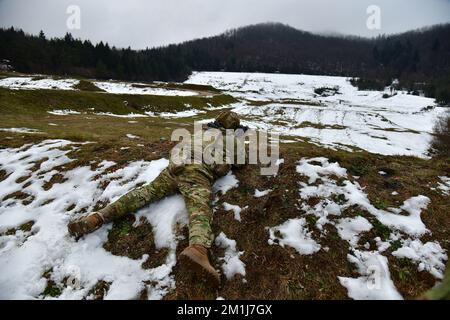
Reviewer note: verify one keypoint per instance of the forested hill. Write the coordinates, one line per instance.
(421, 56)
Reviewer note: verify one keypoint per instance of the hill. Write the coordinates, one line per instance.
(420, 58)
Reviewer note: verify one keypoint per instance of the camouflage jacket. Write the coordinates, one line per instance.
(214, 152)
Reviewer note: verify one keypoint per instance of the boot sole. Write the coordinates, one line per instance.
(190, 264)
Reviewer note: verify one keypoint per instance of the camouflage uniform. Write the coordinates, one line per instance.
(193, 181)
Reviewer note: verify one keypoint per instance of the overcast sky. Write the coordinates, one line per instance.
(148, 23)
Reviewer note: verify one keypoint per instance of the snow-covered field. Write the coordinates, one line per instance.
(114, 87)
(372, 265)
(338, 118)
(298, 107)
(30, 83)
(343, 117)
(189, 113)
(130, 88)
(26, 255)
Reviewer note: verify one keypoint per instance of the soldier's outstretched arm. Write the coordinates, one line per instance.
(163, 186)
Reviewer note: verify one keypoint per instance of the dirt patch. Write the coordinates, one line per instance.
(99, 291)
(22, 179)
(26, 227)
(407, 279)
(3, 175)
(126, 240)
(26, 198)
(55, 179)
(52, 289)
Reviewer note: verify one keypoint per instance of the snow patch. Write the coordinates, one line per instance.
(349, 229)
(63, 112)
(351, 194)
(21, 130)
(236, 209)
(260, 194)
(444, 185)
(131, 136)
(29, 83)
(375, 282)
(24, 258)
(140, 88)
(430, 256)
(309, 168)
(181, 114)
(335, 199)
(130, 115)
(232, 265)
(226, 183)
(294, 233)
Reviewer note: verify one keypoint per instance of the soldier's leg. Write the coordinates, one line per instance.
(161, 187)
(195, 186)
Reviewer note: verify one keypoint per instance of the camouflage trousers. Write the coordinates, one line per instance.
(194, 182)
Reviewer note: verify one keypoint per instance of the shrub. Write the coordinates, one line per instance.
(326, 92)
(368, 84)
(443, 95)
(441, 141)
(440, 90)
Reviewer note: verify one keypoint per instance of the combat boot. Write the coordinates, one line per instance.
(195, 258)
(85, 225)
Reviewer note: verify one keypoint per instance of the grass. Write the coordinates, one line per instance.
(99, 290)
(29, 109)
(381, 230)
(85, 85)
(52, 290)
(38, 101)
(307, 124)
(126, 240)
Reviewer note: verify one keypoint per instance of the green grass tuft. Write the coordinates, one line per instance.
(85, 85)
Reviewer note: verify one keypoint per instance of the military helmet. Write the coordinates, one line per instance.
(228, 119)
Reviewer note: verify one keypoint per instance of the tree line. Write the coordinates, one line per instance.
(419, 59)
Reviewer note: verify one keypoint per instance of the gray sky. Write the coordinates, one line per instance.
(148, 23)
